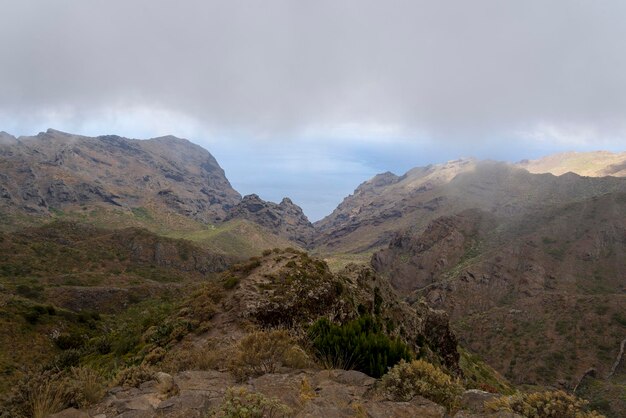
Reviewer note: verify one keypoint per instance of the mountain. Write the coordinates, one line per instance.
(529, 266)
(167, 185)
(284, 219)
(592, 164)
(542, 298)
(367, 220)
(60, 171)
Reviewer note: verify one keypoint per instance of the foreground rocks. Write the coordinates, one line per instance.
(308, 393)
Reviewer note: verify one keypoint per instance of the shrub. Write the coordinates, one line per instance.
(134, 376)
(190, 357)
(154, 356)
(67, 341)
(262, 352)
(407, 380)
(231, 282)
(549, 404)
(67, 359)
(89, 384)
(37, 395)
(359, 344)
(239, 403)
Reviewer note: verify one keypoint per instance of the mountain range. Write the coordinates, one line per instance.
(528, 260)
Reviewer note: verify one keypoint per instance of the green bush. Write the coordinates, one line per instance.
(420, 378)
(359, 344)
(66, 341)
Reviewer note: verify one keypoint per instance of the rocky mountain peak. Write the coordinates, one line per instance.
(7, 139)
(285, 219)
(61, 170)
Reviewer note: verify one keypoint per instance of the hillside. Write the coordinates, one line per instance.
(251, 329)
(541, 297)
(366, 220)
(70, 277)
(592, 164)
(55, 170)
(166, 185)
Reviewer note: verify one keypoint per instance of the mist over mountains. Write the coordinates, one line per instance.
(522, 263)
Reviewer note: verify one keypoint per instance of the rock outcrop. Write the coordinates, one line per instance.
(285, 219)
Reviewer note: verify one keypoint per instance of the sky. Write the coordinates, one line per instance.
(309, 99)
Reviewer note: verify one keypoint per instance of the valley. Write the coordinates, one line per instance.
(138, 256)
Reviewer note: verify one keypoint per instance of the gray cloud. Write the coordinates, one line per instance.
(309, 98)
(448, 70)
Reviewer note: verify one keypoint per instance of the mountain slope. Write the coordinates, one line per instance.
(367, 220)
(55, 170)
(541, 297)
(592, 164)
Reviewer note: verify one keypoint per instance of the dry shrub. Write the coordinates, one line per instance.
(296, 358)
(306, 391)
(154, 357)
(549, 404)
(407, 380)
(240, 403)
(89, 384)
(47, 399)
(192, 357)
(263, 352)
(38, 394)
(134, 376)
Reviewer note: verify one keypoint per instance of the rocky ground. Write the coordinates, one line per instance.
(307, 393)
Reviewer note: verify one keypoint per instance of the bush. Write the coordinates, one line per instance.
(359, 344)
(134, 376)
(549, 404)
(239, 403)
(89, 384)
(191, 357)
(37, 395)
(264, 352)
(407, 380)
(68, 341)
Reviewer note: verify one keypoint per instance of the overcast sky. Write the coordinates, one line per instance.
(309, 98)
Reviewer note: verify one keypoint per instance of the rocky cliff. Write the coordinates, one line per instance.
(56, 170)
(285, 219)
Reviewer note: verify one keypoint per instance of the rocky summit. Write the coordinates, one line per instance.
(56, 170)
(284, 219)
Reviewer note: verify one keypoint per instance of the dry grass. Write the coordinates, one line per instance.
(263, 352)
(192, 357)
(90, 384)
(46, 399)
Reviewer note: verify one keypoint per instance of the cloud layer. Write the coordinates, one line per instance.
(460, 75)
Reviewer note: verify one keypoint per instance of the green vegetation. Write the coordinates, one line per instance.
(359, 344)
(478, 375)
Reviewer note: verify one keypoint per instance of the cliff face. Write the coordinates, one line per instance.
(59, 170)
(285, 219)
